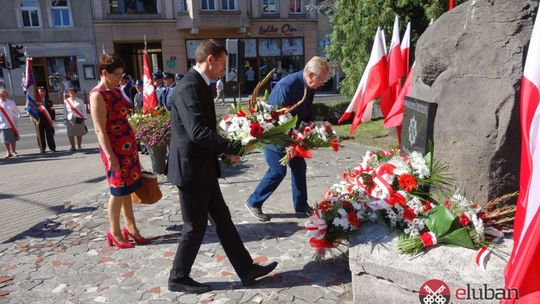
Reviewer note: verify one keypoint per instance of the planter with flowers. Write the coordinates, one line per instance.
(153, 129)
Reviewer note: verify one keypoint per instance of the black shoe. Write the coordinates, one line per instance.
(303, 213)
(257, 272)
(257, 212)
(187, 285)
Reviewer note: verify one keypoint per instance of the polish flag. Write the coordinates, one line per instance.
(395, 115)
(523, 268)
(451, 4)
(149, 93)
(406, 48)
(396, 71)
(377, 79)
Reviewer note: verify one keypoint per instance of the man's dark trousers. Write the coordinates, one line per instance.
(46, 131)
(196, 204)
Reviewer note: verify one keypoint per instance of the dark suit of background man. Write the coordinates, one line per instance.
(44, 128)
(194, 168)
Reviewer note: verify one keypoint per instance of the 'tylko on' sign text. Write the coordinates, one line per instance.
(272, 29)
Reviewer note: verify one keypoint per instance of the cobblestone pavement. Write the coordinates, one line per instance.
(65, 258)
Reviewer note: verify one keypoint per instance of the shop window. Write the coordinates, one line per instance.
(29, 11)
(269, 47)
(182, 6)
(292, 46)
(60, 13)
(123, 7)
(228, 5)
(269, 6)
(295, 6)
(62, 73)
(208, 5)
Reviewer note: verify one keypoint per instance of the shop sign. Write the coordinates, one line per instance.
(284, 29)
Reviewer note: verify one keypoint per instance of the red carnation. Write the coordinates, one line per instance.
(407, 182)
(387, 169)
(241, 114)
(347, 205)
(408, 214)
(256, 129)
(447, 204)
(427, 206)
(325, 205)
(335, 145)
(319, 244)
(464, 220)
(353, 219)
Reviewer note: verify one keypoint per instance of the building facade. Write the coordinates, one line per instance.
(278, 34)
(58, 35)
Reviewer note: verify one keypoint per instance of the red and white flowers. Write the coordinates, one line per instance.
(308, 136)
(260, 125)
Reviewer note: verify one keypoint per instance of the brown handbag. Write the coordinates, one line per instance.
(149, 193)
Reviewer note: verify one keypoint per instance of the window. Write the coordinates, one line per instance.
(269, 6)
(123, 7)
(295, 6)
(29, 11)
(228, 5)
(60, 13)
(182, 6)
(208, 5)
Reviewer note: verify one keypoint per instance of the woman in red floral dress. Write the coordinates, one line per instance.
(118, 150)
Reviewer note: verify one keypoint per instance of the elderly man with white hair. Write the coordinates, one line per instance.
(287, 92)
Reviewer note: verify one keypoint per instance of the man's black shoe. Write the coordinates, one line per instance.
(257, 272)
(303, 213)
(257, 212)
(188, 285)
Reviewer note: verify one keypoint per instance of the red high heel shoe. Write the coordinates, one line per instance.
(112, 241)
(127, 235)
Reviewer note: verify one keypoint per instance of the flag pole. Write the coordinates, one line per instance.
(145, 47)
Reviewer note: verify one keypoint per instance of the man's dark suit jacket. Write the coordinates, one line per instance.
(195, 143)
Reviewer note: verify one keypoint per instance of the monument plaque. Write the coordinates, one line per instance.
(417, 128)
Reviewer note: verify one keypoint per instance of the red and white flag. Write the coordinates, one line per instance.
(376, 81)
(406, 48)
(150, 100)
(396, 71)
(523, 268)
(395, 116)
(451, 4)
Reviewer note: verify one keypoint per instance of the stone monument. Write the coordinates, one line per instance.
(470, 62)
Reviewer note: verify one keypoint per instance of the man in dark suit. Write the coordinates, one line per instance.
(45, 127)
(194, 168)
(170, 84)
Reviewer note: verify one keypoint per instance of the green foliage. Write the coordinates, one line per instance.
(329, 112)
(354, 23)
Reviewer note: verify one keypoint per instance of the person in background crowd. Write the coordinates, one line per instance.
(118, 151)
(250, 79)
(160, 87)
(170, 84)
(74, 117)
(127, 88)
(178, 77)
(288, 91)
(45, 125)
(9, 114)
(66, 83)
(194, 169)
(138, 99)
(47, 102)
(220, 90)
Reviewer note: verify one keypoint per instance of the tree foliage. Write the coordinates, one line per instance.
(354, 23)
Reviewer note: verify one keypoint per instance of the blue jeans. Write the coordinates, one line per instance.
(275, 174)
